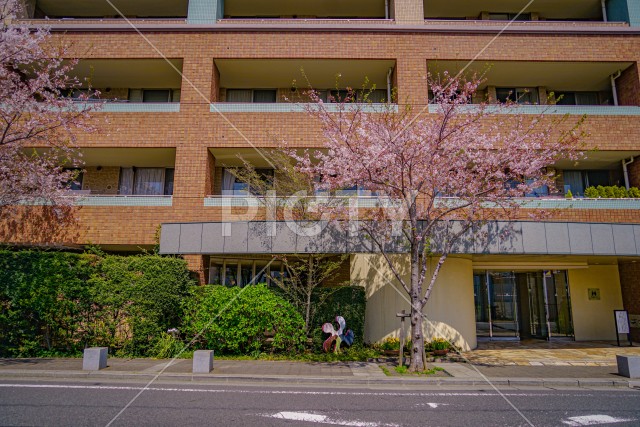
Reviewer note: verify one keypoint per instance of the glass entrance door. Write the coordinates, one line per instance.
(549, 304)
(495, 302)
(502, 295)
(559, 305)
(533, 304)
(537, 305)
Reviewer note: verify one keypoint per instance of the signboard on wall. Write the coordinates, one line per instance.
(594, 294)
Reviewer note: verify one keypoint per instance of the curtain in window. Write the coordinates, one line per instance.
(573, 181)
(228, 182)
(264, 96)
(149, 181)
(163, 95)
(378, 96)
(586, 98)
(126, 181)
(239, 95)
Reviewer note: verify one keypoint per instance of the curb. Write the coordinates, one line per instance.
(343, 380)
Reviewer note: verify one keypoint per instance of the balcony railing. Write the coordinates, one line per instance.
(590, 110)
(285, 107)
(386, 202)
(139, 107)
(253, 201)
(117, 200)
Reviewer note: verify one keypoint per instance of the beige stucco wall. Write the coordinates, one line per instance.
(450, 310)
(593, 319)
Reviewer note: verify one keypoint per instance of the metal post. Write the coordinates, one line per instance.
(402, 315)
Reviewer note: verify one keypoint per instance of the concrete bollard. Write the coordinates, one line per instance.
(94, 358)
(202, 361)
(628, 366)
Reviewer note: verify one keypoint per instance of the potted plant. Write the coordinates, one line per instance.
(440, 346)
(391, 346)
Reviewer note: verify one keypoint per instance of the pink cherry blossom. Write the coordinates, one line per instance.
(450, 170)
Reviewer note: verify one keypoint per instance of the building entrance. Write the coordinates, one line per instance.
(515, 305)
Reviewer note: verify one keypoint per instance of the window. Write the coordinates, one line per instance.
(244, 272)
(154, 95)
(578, 98)
(80, 95)
(578, 180)
(509, 16)
(146, 181)
(231, 186)
(75, 184)
(518, 95)
(259, 96)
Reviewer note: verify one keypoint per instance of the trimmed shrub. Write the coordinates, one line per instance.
(243, 320)
(346, 301)
(137, 299)
(58, 303)
(45, 303)
(611, 192)
(591, 193)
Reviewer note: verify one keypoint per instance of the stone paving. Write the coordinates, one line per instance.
(549, 353)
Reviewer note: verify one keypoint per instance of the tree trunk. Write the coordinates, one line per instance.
(309, 292)
(417, 336)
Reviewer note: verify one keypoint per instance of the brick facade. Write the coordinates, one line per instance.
(101, 180)
(194, 130)
(628, 86)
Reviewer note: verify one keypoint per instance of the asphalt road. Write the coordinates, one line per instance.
(96, 404)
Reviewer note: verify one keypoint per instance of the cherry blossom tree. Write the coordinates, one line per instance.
(38, 123)
(447, 172)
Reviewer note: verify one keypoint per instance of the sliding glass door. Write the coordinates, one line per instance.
(532, 304)
(495, 301)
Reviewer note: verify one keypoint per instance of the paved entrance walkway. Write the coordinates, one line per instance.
(549, 353)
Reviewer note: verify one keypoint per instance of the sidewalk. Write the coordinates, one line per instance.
(330, 374)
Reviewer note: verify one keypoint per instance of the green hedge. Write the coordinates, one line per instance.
(55, 303)
(611, 192)
(137, 299)
(45, 304)
(346, 301)
(58, 303)
(243, 321)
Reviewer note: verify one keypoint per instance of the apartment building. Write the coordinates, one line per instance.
(192, 84)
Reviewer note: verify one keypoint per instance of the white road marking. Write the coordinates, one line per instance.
(593, 420)
(434, 405)
(324, 419)
(296, 392)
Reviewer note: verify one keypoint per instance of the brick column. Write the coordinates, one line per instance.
(197, 83)
(411, 81)
(630, 284)
(628, 86)
(215, 84)
(408, 12)
(199, 266)
(193, 178)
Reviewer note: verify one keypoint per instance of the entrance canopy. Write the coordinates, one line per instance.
(264, 237)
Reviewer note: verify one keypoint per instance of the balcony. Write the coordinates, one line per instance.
(559, 13)
(125, 177)
(132, 85)
(99, 11)
(310, 12)
(281, 86)
(593, 88)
